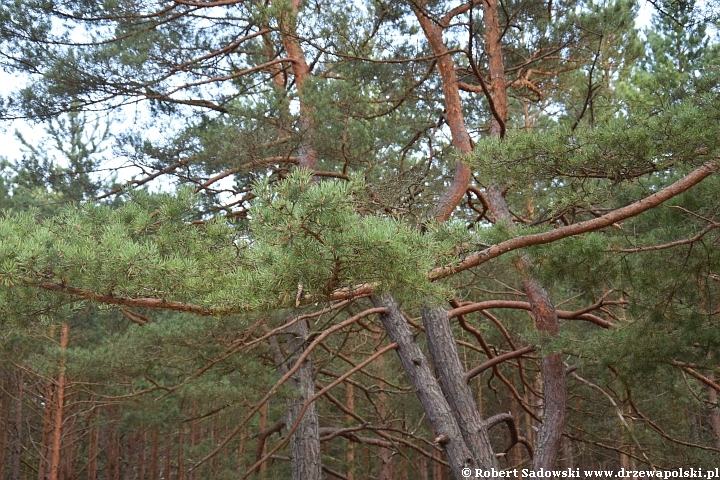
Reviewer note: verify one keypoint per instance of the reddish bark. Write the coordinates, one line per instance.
(4, 428)
(452, 195)
(17, 445)
(307, 156)
(59, 406)
(496, 66)
(478, 258)
(350, 446)
(92, 455)
(497, 360)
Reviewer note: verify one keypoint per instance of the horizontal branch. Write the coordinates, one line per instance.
(634, 209)
(515, 304)
(145, 180)
(495, 361)
(110, 299)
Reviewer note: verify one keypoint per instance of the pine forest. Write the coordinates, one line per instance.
(376, 239)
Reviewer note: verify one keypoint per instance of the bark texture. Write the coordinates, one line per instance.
(452, 195)
(305, 462)
(59, 405)
(451, 375)
(307, 156)
(426, 386)
(553, 373)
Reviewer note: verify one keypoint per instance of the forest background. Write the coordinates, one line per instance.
(378, 240)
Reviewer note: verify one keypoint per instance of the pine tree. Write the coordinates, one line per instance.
(356, 181)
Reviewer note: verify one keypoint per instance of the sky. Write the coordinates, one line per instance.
(12, 149)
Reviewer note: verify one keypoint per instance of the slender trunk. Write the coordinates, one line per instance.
(423, 468)
(59, 405)
(350, 446)
(154, 454)
(180, 456)
(437, 467)
(168, 463)
(715, 412)
(111, 460)
(384, 455)
(69, 457)
(4, 428)
(17, 447)
(426, 386)
(93, 454)
(305, 441)
(262, 425)
(195, 434)
(48, 422)
(142, 459)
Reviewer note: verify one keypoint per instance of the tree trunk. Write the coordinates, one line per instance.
(168, 463)
(93, 454)
(423, 467)
(553, 374)
(58, 407)
(154, 454)
(45, 447)
(17, 446)
(262, 425)
(426, 387)
(451, 375)
(307, 156)
(180, 456)
(142, 460)
(350, 446)
(714, 412)
(306, 463)
(4, 428)
(384, 455)
(453, 115)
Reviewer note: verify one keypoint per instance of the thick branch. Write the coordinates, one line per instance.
(453, 194)
(478, 258)
(110, 299)
(515, 438)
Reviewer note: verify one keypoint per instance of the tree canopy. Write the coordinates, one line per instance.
(366, 240)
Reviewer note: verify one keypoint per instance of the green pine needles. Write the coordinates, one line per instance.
(302, 235)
